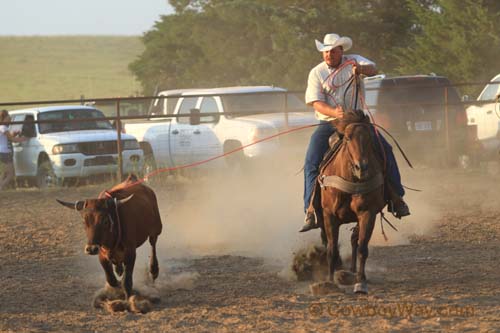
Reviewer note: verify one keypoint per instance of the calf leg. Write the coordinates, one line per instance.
(129, 271)
(119, 269)
(153, 260)
(108, 270)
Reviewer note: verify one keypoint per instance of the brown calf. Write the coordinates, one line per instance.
(117, 223)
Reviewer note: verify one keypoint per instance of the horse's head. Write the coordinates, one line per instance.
(355, 127)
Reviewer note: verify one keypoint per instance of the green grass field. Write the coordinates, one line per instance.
(66, 67)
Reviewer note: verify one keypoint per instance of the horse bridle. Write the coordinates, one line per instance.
(347, 186)
(346, 141)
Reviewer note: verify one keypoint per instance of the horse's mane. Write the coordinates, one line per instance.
(352, 116)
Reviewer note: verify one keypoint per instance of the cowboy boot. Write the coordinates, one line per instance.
(396, 204)
(309, 222)
(312, 221)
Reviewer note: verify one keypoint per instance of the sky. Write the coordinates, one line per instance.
(80, 17)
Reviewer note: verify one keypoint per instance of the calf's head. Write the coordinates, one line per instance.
(99, 221)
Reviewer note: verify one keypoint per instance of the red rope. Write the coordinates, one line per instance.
(141, 180)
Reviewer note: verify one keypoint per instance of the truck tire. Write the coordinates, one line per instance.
(45, 176)
(149, 164)
(236, 161)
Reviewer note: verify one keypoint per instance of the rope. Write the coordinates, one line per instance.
(185, 166)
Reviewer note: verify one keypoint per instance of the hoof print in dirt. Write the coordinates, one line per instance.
(344, 278)
(113, 300)
(139, 304)
(117, 305)
(310, 264)
(324, 288)
(108, 293)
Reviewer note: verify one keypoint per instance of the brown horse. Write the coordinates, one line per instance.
(352, 190)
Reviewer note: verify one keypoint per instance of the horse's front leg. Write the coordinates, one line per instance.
(129, 270)
(366, 224)
(354, 248)
(108, 270)
(332, 250)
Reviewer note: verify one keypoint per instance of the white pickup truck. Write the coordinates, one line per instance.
(486, 116)
(58, 148)
(177, 141)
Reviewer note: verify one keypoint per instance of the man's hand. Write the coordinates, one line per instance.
(328, 110)
(368, 70)
(339, 112)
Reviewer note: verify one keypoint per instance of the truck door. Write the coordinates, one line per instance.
(181, 133)
(206, 144)
(25, 153)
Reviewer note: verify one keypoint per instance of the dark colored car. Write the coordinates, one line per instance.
(425, 114)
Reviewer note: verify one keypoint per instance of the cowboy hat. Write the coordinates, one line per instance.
(333, 40)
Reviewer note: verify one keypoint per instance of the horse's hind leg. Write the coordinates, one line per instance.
(153, 260)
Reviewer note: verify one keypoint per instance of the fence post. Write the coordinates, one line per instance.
(446, 124)
(118, 124)
(286, 110)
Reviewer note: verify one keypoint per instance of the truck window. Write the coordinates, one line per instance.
(61, 115)
(28, 129)
(17, 127)
(170, 103)
(490, 92)
(254, 103)
(209, 105)
(371, 94)
(187, 104)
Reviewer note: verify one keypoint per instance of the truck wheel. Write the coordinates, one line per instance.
(237, 161)
(149, 165)
(45, 176)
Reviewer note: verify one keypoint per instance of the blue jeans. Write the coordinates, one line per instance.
(318, 146)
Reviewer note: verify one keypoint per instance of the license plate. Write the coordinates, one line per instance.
(423, 126)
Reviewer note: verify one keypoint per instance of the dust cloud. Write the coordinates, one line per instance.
(259, 213)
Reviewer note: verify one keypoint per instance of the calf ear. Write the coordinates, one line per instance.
(78, 205)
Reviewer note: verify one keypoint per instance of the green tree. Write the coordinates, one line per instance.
(455, 38)
(209, 43)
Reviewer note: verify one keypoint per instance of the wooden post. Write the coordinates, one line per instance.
(118, 123)
(446, 124)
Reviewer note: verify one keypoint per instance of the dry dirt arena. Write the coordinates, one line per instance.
(225, 257)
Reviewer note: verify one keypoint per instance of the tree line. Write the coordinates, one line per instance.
(209, 43)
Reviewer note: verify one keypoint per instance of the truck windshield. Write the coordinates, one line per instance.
(251, 104)
(61, 126)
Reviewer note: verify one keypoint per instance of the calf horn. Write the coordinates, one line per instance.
(78, 205)
(124, 200)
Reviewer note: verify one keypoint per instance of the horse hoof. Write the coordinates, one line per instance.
(361, 288)
(345, 278)
(323, 288)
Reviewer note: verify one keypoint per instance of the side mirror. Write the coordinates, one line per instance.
(465, 98)
(194, 117)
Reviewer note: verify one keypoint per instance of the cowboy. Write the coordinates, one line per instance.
(330, 102)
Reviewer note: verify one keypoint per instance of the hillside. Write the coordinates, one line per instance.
(66, 67)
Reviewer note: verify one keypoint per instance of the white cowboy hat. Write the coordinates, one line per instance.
(333, 40)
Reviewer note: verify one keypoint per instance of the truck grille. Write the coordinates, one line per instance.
(98, 148)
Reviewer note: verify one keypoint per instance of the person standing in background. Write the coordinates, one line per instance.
(6, 151)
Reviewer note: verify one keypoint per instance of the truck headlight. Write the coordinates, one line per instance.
(65, 148)
(131, 145)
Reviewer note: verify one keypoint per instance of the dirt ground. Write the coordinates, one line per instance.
(225, 257)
